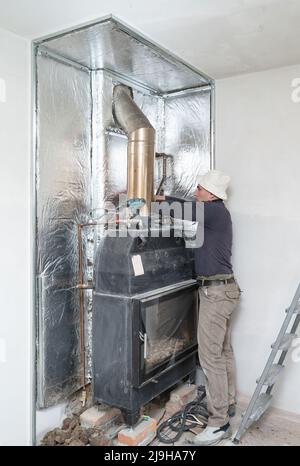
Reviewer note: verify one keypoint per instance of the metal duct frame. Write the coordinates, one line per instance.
(128, 30)
(118, 78)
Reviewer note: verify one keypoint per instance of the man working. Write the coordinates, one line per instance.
(219, 295)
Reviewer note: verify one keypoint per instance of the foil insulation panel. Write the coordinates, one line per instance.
(63, 182)
(81, 168)
(187, 141)
(111, 46)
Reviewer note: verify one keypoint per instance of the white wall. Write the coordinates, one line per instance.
(258, 144)
(15, 282)
(48, 419)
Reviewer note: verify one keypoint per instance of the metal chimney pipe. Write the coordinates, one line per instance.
(140, 150)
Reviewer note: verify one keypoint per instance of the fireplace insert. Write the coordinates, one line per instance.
(167, 321)
(144, 320)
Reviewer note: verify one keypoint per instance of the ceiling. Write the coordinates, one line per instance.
(222, 38)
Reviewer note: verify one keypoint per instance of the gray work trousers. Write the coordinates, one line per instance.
(217, 303)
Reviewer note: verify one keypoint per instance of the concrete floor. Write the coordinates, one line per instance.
(275, 428)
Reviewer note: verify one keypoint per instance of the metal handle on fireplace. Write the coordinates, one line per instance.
(145, 345)
(143, 338)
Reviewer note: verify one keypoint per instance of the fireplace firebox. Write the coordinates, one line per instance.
(144, 320)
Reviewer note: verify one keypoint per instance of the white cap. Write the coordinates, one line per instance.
(216, 182)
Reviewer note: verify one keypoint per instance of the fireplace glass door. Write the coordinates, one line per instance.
(167, 331)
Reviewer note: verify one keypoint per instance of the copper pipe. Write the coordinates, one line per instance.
(164, 176)
(84, 286)
(140, 151)
(81, 304)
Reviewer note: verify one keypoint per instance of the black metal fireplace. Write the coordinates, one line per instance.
(144, 320)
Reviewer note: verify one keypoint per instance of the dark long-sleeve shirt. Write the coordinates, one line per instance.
(214, 256)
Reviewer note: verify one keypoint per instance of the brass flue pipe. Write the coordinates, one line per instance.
(140, 151)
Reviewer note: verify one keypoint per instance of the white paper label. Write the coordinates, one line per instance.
(137, 265)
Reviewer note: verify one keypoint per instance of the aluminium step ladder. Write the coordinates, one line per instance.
(260, 400)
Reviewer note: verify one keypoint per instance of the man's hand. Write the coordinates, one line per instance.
(159, 198)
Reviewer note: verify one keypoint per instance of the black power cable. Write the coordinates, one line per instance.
(181, 421)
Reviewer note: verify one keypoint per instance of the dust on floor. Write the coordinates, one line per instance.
(270, 430)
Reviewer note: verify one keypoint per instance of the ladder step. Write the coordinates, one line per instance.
(296, 310)
(261, 405)
(272, 375)
(286, 342)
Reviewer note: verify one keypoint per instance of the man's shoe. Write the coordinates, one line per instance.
(212, 435)
(231, 410)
